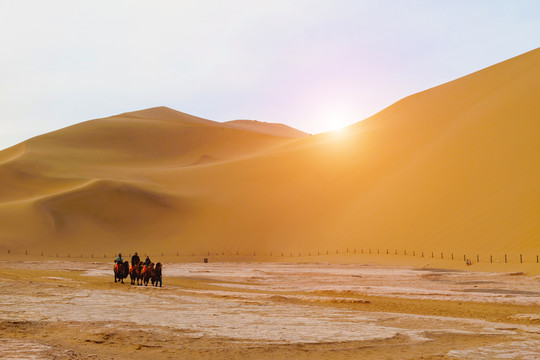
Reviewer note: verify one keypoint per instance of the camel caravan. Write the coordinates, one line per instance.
(140, 272)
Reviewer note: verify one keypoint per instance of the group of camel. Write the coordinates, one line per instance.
(139, 274)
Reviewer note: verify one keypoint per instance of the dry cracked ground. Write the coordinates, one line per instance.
(74, 310)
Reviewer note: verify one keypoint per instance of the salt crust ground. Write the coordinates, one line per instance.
(269, 305)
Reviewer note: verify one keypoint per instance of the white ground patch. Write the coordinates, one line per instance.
(11, 349)
(522, 350)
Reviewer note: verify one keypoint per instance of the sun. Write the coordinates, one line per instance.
(338, 123)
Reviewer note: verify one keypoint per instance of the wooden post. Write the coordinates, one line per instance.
(442, 256)
(521, 258)
(452, 256)
(505, 259)
(491, 259)
(405, 252)
(464, 257)
(477, 258)
(422, 254)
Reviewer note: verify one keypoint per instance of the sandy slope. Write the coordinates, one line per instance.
(267, 128)
(451, 169)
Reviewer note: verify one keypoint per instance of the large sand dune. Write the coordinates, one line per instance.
(452, 169)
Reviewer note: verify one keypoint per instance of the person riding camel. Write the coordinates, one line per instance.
(119, 260)
(135, 259)
(147, 263)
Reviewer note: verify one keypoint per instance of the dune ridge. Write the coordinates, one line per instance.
(450, 169)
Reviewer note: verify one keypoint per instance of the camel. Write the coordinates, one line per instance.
(156, 275)
(121, 271)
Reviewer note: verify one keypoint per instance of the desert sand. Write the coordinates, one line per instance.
(223, 310)
(451, 170)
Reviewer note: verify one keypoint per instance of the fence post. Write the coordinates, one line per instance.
(422, 254)
(26, 252)
(521, 258)
(505, 259)
(477, 258)
(405, 252)
(413, 253)
(452, 256)
(386, 251)
(464, 257)
(490, 259)
(442, 256)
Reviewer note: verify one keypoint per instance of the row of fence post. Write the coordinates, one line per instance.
(292, 254)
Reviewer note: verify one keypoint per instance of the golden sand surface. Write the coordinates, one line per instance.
(74, 310)
(451, 170)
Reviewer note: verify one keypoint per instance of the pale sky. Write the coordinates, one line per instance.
(310, 64)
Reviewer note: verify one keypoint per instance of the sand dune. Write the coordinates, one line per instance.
(267, 128)
(452, 169)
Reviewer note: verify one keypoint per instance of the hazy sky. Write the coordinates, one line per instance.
(310, 64)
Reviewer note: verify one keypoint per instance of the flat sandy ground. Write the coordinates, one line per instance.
(74, 310)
